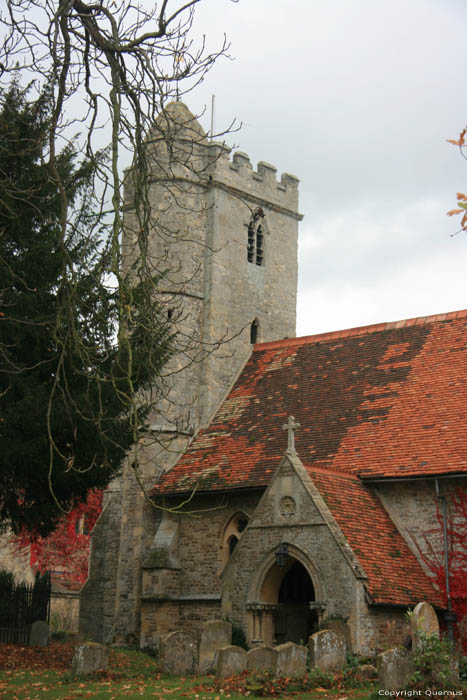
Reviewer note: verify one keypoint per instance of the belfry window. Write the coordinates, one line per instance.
(255, 244)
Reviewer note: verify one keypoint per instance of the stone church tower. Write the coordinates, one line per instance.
(223, 239)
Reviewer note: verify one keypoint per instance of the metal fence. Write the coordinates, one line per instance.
(21, 605)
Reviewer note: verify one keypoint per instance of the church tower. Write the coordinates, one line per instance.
(222, 239)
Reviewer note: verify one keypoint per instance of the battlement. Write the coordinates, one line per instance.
(192, 154)
(236, 171)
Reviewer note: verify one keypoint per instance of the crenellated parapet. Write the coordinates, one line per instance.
(179, 150)
(234, 170)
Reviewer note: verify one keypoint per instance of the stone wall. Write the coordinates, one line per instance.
(64, 611)
(238, 291)
(412, 506)
(98, 595)
(182, 569)
(201, 540)
(382, 628)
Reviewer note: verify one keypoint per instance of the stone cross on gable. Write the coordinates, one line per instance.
(291, 426)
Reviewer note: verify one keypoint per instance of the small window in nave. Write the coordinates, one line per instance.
(254, 332)
(232, 535)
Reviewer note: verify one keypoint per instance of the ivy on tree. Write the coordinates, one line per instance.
(66, 419)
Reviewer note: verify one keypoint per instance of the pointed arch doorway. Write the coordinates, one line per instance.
(280, 597)
(294, 621)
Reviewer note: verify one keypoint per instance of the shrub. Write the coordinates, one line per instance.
(433, 661)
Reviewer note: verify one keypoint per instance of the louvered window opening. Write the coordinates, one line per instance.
(255, 250)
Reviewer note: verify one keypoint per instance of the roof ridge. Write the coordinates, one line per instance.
(361, 330)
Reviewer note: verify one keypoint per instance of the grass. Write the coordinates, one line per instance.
(131, 674)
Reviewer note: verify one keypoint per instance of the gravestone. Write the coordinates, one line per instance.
(423, 620)
(89, 658)
(39, 636)
(213, 635)
(342, 628)
(291, 660)
(178, 653)
(262, 658)
(394, 669)
(231, 661)
(327, 650)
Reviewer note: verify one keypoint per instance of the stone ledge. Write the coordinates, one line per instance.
(181, 598)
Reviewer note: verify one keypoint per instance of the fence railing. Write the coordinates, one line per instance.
(21, 605)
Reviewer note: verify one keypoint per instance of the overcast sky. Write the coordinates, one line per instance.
(356, 98)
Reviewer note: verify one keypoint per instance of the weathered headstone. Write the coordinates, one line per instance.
(178, 653)
(262, 658)
(39, 636)
(423, 621)
(213, 635)
(231, 661)
(291, 660)
(89, 658)
(394, 669)
(327, 650)
(342, 628)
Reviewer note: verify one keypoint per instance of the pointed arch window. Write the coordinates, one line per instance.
(255, 244)
(232, 534)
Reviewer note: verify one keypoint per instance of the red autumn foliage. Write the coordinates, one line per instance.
(65, 552)
(433, 557)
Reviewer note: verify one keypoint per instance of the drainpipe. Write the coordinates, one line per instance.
(449, 617)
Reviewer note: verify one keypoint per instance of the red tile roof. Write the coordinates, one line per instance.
(382, 401)
(394, 575)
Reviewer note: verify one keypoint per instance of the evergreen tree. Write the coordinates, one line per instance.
(65, 418)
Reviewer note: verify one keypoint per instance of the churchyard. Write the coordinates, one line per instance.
(207, 665)
(43, 673)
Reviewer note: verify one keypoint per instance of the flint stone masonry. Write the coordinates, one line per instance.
(423, 620)
(231, 661)
(213, 635)
(291, 660)
(327, 650)
(39, 636)
(89, 658)
(394, 669)
(178, 653)
(262, 658)
(341, 628)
